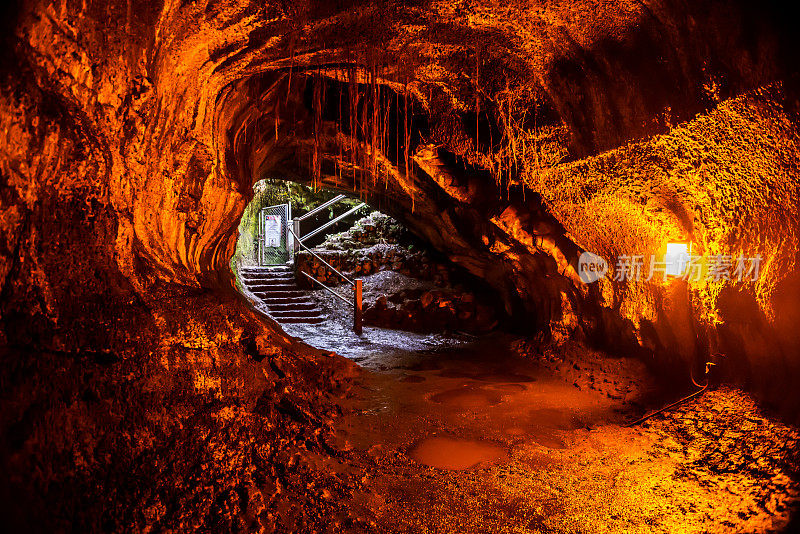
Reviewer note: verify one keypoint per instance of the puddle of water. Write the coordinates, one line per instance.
(425, 365)
(456, 454)
(487, 376)
(413, 379)
(476, 391)
(510, 387)
(558, 419)
(467, 397)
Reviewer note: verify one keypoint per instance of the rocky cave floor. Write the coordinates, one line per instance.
(370, 349)
(457, 433)
(476, 439)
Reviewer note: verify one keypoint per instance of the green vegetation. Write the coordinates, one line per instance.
(305, 199)
(270, 192)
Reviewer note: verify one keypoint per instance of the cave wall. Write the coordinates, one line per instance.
(673, 123)
(727, 182)
(139, 390)
(132, 133)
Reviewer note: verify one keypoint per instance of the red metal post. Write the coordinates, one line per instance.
(357, 310)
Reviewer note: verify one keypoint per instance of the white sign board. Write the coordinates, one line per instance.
(272, 230)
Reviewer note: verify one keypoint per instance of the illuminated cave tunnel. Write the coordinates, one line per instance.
(533, 146)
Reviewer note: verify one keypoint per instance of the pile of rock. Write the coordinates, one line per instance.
(419, 310)
(618, 378)
(405, 287)
(376, 228)
(361, 262)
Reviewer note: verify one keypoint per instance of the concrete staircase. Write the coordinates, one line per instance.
(276, 287)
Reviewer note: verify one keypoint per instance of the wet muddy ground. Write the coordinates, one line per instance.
(479, 435)
(473, 437)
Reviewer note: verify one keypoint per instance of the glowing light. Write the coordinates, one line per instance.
(677, 258)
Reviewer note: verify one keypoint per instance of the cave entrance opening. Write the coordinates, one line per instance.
(269, 240)
(282, 214)
(303, 254)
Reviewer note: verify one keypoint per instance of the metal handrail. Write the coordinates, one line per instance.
(334, 221)
(357, 287)
(336, 294)
(331, 267)
(321, 207)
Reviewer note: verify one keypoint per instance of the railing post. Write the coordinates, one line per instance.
(288, 240)
(357, 310)
(296, 234)
(261, 240)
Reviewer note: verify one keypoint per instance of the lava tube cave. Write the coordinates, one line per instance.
(434, 266)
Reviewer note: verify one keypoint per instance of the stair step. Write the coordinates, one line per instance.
(277, 288)
(304, 306)
(301, 320)
(272, 287)
(296, 315)
(270, 295)
(291, 308)
(267, 278)
(287, 300)
(274, 269)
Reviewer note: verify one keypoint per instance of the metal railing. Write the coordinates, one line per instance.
(333, 221)
(321, 207)
(356, 285)
(297, 220)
